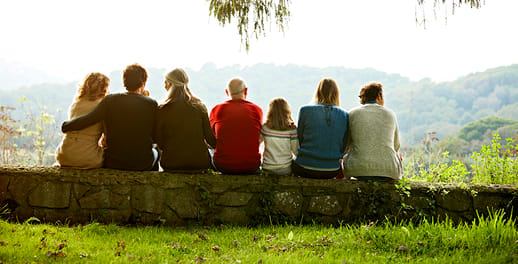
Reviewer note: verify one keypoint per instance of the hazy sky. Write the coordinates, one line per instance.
(72, 38)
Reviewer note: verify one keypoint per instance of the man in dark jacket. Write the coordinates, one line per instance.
(128, 120)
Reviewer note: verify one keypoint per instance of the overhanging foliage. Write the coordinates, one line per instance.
(253, 15)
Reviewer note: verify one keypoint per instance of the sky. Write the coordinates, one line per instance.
(71, 38)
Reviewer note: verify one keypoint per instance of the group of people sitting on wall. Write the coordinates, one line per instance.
(131, 131)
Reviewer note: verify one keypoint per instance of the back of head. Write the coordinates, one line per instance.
(179, 89)
(327, 92)
(177, 78)
(134, 77)
(236, 85)
(370, 92)
(279, 115)
(94, 86)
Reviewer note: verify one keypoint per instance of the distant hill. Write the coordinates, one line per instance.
(421, 106)
(14, 75)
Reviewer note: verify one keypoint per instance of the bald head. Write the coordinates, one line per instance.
(237, 88)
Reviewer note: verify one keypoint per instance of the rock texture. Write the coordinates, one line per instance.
(111, 196)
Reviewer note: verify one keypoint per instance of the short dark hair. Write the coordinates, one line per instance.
(134, 77)
(370, 92)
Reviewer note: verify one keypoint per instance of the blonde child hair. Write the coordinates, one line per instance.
(279, 115)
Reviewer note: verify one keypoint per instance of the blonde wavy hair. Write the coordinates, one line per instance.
(279, 115)
(179, 90)
(94, 86)
(327, 92)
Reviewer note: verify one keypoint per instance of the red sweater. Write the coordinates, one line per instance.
(237, 125)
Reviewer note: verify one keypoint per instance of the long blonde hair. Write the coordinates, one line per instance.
(327, 92)
(179, 89)
(94, 86)
(279, 115)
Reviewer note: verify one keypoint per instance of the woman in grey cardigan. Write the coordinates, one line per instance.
(373, 139)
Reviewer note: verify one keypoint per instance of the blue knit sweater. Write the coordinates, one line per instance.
(322, 133)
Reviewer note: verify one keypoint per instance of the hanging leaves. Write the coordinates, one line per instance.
(252, 16)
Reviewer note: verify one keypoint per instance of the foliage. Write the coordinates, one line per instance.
(485, 240)
(496, 165)
(8, 133)
(478, 129)
(440, 172)
(251, 15)
(31, 141)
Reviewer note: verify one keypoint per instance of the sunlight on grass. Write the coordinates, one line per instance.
(485, 240)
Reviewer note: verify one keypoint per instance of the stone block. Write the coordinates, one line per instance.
(456, 200)
(147, 198)
(51, 195)
(421, 202)
(183, 202)
(482, 202)
(20, 186)
(325, 205)
(81, 189)
(288, 203)
(104, 199)
(234, 199)
(4, 182)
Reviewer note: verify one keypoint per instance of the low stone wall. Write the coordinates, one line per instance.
(72, 196)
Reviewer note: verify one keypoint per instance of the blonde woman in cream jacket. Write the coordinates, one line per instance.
(81, 148)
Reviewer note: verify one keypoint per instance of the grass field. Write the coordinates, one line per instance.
(487, 240)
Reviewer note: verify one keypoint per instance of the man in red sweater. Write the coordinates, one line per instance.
(237, 124)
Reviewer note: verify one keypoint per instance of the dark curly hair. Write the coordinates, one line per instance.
(370, 92)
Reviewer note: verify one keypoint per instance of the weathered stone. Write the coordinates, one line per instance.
(234, 199)
(326, 205)
(51, 195)
(104, 199)
(483, 202)
(178, 198)
(4, 182)
(288, 203)
(19, 187)
(456, 200)
(421, 202)
(147, 198)
(234, 215)
(81, 189)
(183, 202)
(121, 190)
(218, 187)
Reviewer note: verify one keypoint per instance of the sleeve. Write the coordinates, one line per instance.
(294, 141)
(157, 129)
(212, 118)
(207, 128)
(396, 136)
(346, 135)
(86, 120)
(300, 127)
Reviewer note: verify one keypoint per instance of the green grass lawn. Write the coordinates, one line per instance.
(489, 240)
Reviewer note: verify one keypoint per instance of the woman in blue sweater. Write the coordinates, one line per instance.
(322, 133)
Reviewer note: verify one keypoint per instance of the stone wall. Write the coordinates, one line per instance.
(79, 196)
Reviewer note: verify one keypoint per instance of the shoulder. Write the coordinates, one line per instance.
(150, 100)
(340, 110)
(253, 105)
(200, 107)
